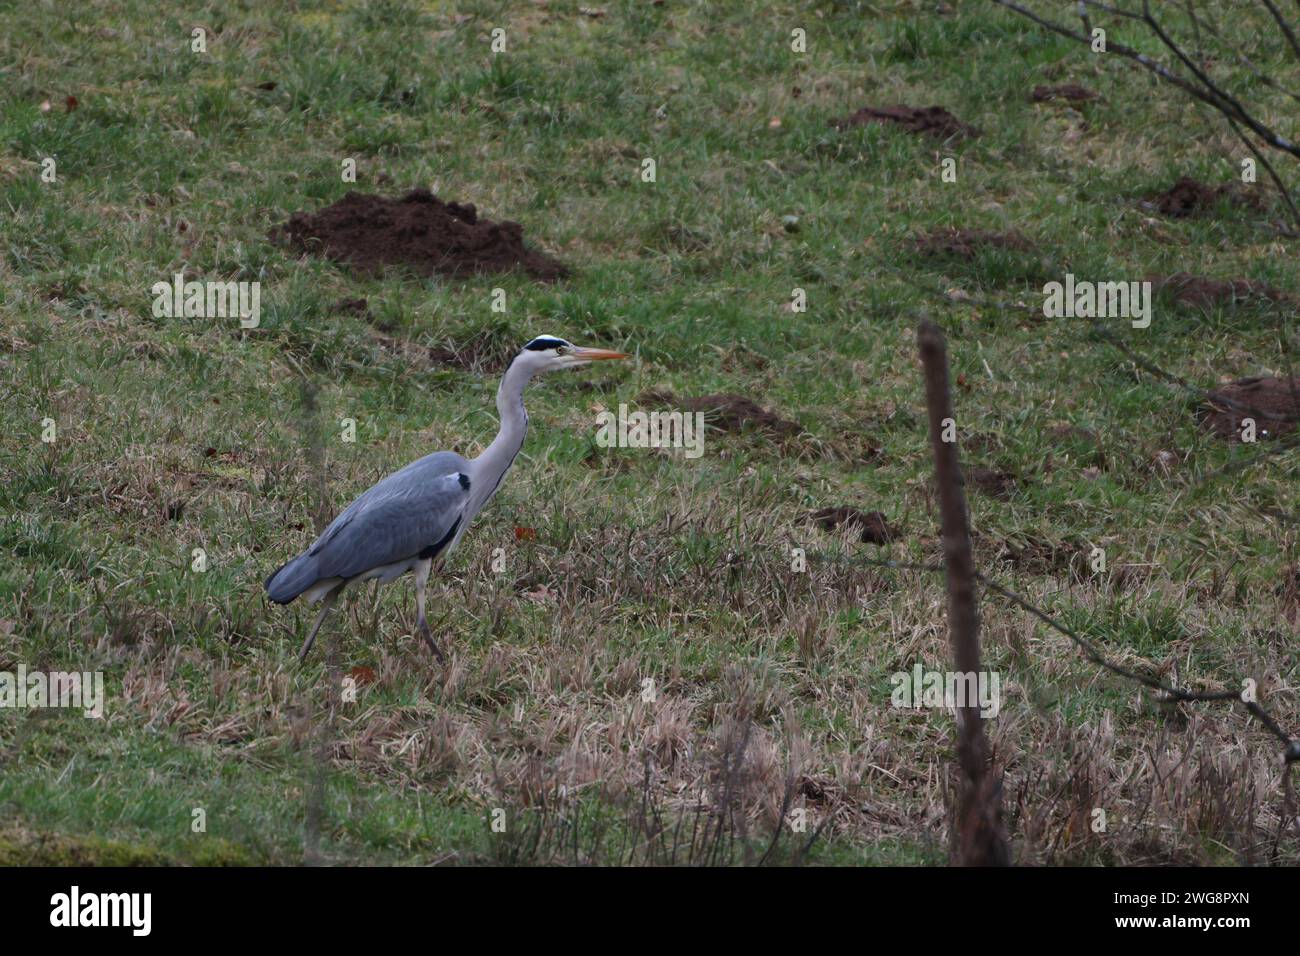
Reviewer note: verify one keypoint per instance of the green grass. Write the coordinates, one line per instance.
(655, 566)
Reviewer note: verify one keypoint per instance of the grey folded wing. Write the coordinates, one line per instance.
(411, 513)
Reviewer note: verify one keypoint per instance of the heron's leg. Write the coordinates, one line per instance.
(421, 580)
(326, 603)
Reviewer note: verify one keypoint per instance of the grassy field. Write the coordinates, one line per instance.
(175, 434)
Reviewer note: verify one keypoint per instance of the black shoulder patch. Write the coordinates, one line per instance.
(464, 480)
(433, 550)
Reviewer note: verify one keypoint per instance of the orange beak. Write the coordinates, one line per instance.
(596, 355)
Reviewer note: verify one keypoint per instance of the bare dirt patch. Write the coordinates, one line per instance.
(966, 243)
(731, 413)
(418, 232)
(1198, 290)
(924, 120)
(993, 482)
(1274, 404)
(873, 525)
(1070, 92)
(1190, 197)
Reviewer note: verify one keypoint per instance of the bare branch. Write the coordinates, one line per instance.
(1210, 95)
(1284, 26)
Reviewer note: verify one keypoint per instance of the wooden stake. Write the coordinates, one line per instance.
(981, 838)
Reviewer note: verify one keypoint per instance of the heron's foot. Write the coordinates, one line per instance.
(428, 639)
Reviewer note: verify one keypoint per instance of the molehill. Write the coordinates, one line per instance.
(418, 232)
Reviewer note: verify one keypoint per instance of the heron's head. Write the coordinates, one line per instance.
(547, 353)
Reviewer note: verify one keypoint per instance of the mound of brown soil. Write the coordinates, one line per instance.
(965, 243)
(1198, 290)
(1272, 402)
(929, 120)
(419, 232)
(1189, 196)
(991, 481)
(875, 529)
(1070, 92)
(728, 412)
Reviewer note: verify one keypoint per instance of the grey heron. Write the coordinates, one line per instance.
(416, 516)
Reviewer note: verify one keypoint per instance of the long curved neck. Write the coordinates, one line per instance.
(500, 455)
